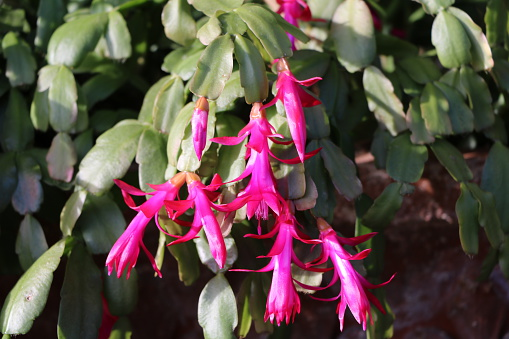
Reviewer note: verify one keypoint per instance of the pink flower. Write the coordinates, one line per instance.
(283, 302)
(292, 11)
(260, 194)
(294, 98)
(201, 197)
(354, 287)
(124, 252)
(199, 125)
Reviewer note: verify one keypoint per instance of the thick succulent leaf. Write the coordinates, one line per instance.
(178, 22)
(495, 179)
(167, 104)
(435, 6)
(380, 147)
(451, 158)
(206, 258)
(61, 158)
(177, 133)
(265, 27)
(421, 70)
(353, 34)
(467, 210)
(101, 223)
(385, 206)
(382, 101)
(185, 253)
(80, 311)
(341, 169)
(20, 68)
(72, 211)
(480, 49)
(290, 179)
(450, 40)
(101, 86)
(317, 122)
(416, 124)
(151, 156)
(118, 38)
(31, 242)
(214, 68)
(148, 106)
(63, 101)
(209, 31)
(460, 115)
(479, 98)
(253, 77)
(217, 311)
(39, 111)
(121, 293)
(209, 7)
(232, 90)
(49, 16)
(110, 158)
(245, 317)
(405, 161)
(16, 131)
(488, 217)
(434, 109)
(291, 29)
(28, 196)
(73, 40)
(496, 21)
(27, 298)
(183, 61)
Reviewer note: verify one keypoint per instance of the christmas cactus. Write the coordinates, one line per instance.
(230, 128)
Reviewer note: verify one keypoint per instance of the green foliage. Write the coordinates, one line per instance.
(93, 91)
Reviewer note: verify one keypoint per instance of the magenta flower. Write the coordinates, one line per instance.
(294, 98)
(292, 11)
(201, 197)
(124, 252)
(283, 302)
(354, 287)
(199, 125)
(260, 194)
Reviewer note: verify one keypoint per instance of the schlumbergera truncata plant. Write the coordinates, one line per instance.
(239, 120)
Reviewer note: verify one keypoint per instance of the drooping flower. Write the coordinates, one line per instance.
(126, 249)
(260, 193)
(354, 287)
(283, 302)
(199, 122)
(201, 197)
(294, 98)
(292, 11)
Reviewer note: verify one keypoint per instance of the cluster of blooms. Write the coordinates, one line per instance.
(263, 202)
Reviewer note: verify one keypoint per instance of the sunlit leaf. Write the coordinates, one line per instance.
(73, 40)
(110, 158)
(217, 311)
(31, 242)
(27, 298)
(353, 34)
(214, 68)
(178, 22)
(382, 101)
